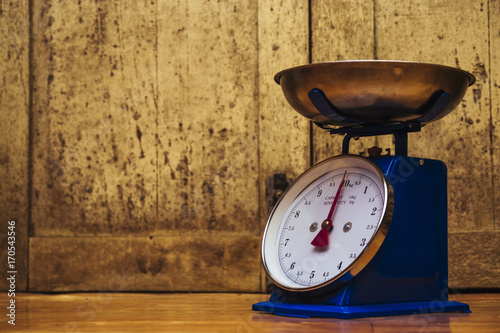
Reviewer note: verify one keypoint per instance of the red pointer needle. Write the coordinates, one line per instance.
(321, 238)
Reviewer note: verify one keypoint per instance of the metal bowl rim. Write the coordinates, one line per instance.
(472, 78)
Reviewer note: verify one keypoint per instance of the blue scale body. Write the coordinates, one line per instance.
(409, 273)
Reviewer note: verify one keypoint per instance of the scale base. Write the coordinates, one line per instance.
(358, 311)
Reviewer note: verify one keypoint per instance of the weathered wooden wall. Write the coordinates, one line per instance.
(155, 125)
(14, 138)
(147, 140)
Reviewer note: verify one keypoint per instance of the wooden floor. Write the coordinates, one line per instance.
(125, 312)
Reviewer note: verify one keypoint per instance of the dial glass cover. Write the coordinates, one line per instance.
(353, 195)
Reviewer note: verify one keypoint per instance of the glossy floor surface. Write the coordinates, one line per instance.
(135, 312)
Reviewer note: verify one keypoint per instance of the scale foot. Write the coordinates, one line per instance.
(358, 311)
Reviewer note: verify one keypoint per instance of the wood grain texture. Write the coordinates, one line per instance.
(494, 77)
(181, 263)
(344, 31)
(208, 162)
(474, 260)
(128, 312)
(94, 118)
(14, 136)
(283, 133)
(284, 144)
(453, 34)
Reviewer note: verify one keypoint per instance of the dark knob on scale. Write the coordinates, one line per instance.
(374, 151)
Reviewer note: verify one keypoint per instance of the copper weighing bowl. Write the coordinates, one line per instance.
(375, 91)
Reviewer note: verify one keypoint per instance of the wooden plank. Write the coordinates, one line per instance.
(474, 260)
(14, 137)
(494, 76)
(342, 32)
(283, 134)
(214, 312)
(94, 118)
(436, 32)
(208, 164)
(181, 263)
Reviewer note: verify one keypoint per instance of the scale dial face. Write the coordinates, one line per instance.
(328, 225)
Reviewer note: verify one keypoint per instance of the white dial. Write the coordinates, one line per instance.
(325, 222)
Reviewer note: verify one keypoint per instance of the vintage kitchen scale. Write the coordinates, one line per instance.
(361, 237)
